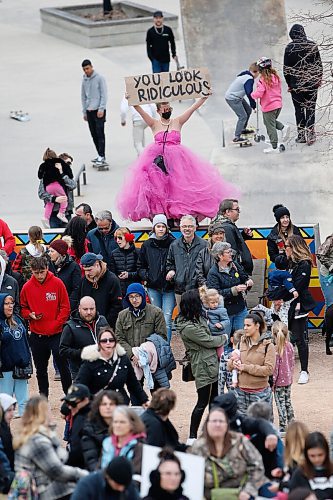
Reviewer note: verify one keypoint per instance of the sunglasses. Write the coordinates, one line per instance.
(105, 341)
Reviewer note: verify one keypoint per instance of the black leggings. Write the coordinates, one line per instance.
(206, 395)
(297, 329)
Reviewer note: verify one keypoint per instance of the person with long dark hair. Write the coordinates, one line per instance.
(316, 470)
(282, 230)
(75, 236)
(300, 262)
(201, 348)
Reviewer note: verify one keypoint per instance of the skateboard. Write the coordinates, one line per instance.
(247, 138)
(102, 167)
(20, 116)
(244, 144)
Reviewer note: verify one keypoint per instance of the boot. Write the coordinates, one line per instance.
(301, 139)
(310, 136)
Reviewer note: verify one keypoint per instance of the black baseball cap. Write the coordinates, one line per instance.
(76, 393)
(158, 13)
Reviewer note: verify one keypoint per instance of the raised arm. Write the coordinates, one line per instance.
(189, 112)
(145, 116)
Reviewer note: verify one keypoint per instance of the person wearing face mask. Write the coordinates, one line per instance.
(169, 178)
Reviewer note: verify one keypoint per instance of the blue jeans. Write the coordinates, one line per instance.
(160, 67)
(165, 301)
(237, 320)
(11, 386)
(327, 289)
(243, 112)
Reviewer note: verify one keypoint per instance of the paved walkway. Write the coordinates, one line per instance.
(42, 75)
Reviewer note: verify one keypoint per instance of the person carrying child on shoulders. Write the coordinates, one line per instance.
(269, 92)
(242, 86)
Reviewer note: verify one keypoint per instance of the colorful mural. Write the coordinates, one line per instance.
(257, 246)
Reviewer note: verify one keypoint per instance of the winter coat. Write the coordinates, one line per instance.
(125, 260)
(205, 262)
(23, 259)
(7, 240)
(50, 299)
(201, 348)
(302, 66)
(49, 173)
(131, 449)
(274, 237)
(324, 255)
(6, 473)
(218, 315)
(237, 238)
(166, 361)
(320, 484)
(152, 263)
(14, 347)
(70, 274)
(7, 441)
(76, 335)
(92, 436)
(103, 243)
(43, 457)
(75, 455)
(96, 373)
(132, 330)
(280, 285)
(157, 493)
(160, 432)
(95, 487)
(270, 95)
(225, 283)
(259, 362)
(301, 274)
(183, 262)
(14, 274)
(284, 367)
(70, 185)
(106, 293)
(10, 286)
(241, 463)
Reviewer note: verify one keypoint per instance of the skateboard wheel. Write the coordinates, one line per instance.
(256, 138)
(282, 148)
(262, 138)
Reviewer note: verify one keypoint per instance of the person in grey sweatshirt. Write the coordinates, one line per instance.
(94, 98)
(242, 86)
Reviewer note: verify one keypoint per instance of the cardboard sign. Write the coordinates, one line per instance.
(165, 87)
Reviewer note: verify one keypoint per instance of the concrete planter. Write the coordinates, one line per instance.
(68, 24)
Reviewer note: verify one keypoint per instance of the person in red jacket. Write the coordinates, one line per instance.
(7, 240)
(45, 303)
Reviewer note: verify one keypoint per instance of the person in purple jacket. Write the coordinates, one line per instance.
(283, 374)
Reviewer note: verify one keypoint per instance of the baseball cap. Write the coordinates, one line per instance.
(76, 393)
(89, 259)
(158, 13)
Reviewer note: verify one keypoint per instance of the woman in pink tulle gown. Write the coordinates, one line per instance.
(188, 185)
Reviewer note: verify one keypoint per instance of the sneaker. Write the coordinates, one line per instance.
(282, 434)
(303, 378)
(62, 217)
(285, 133)
(238, 139)
(300, 139)
(271, 150)
(190, 441)
(94, 160)
(57, 377)
(311, 137)
(46, 223)
(101, 161)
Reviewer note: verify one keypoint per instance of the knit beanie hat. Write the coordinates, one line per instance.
(215, 227)
(228, 402)
(279, 211)
(160, 219)
(59, 246)
(136, 288)
(6, 401)
(120, 470)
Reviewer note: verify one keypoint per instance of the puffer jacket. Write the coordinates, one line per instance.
(166, 361)
(273, 238)
(242, 462)
(258, 362)
(152, 263)
(125, 260)
(225, 283)
(201, 347)
(96, 373)
(132, 330)
(205, 262)
(301, 274)
(92, 436)
(183, 261)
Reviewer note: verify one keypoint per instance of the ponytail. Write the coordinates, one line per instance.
(280, 335)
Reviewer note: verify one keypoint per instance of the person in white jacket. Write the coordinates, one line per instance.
(139, 125)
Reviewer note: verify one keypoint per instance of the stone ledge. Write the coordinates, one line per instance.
(64, 23)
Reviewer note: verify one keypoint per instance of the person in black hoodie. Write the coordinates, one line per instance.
(152, 269)
(278, 236)
(102, 285)
(123, 260)
(96, 428)
(303, 72)
(160, 431)
(167, 479)
(52, 171)
(65, 268)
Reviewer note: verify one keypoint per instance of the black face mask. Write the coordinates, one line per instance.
(166, 115)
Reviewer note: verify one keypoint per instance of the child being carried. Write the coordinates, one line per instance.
(216, 314)
(280, 282)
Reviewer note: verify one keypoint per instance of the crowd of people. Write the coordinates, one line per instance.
(105, 310)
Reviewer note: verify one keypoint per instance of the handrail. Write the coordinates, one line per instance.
(77, 179)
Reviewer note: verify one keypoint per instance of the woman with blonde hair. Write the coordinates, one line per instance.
(300, 264)
(124, 259)
(39, 452)
(283, 374)
(127, 432)
(34, 248)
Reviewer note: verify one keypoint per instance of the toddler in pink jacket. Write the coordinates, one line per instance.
(269, 92)
(283, 373)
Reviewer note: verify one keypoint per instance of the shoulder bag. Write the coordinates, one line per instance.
(218, 493)
(23, 373)
(159, 160)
